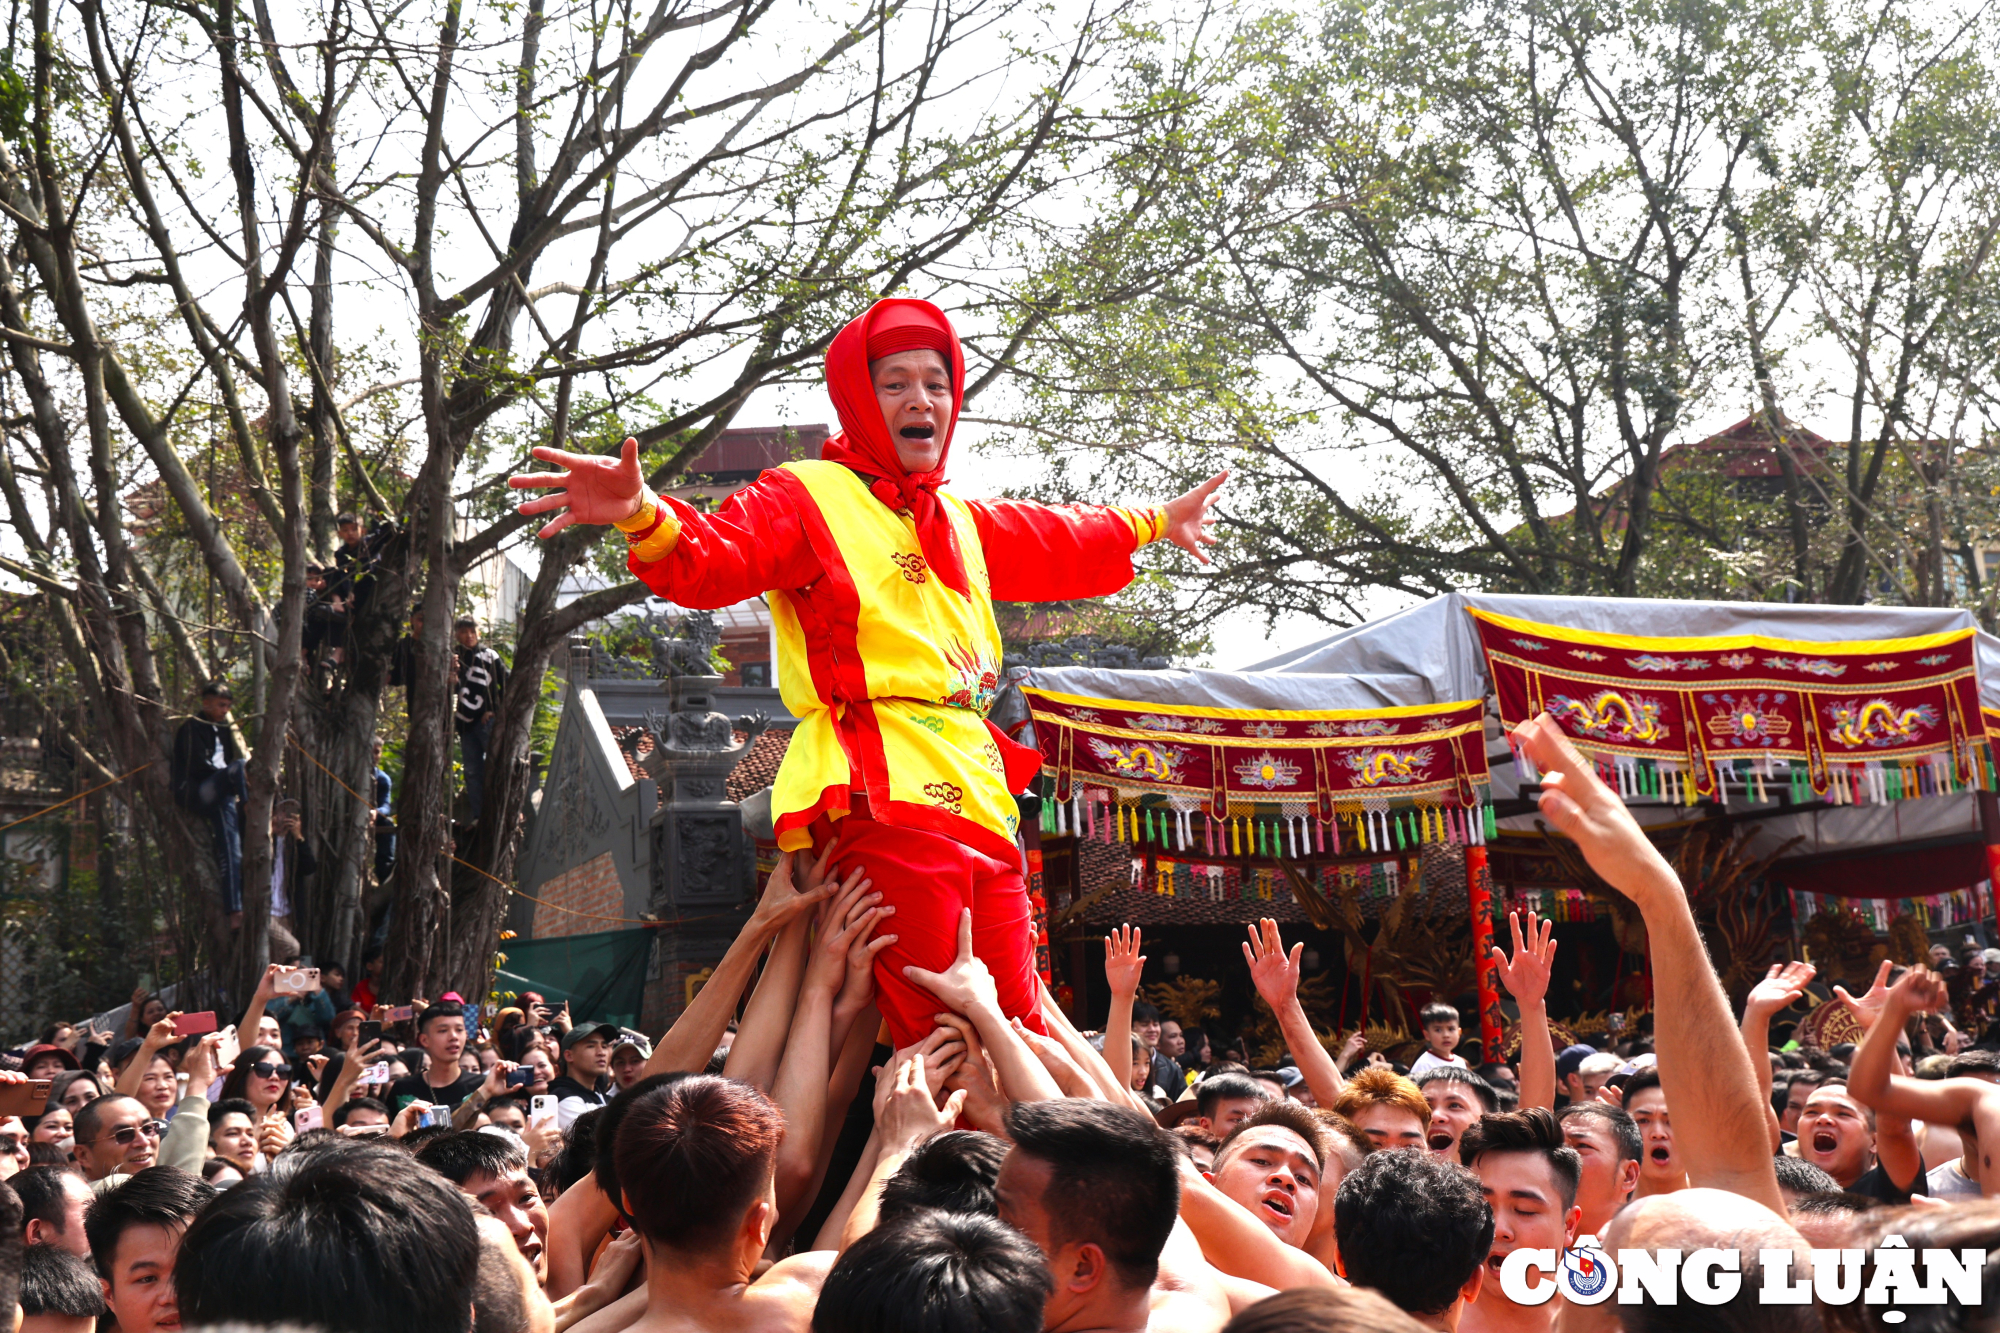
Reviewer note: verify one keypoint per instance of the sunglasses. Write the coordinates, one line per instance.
(266, 1069)
(125, 1134)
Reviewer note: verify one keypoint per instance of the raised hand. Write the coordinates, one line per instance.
(906, 1110)
(1356, 1043)
(1069, 1075)
(1592, 816)
(1919, 991)
(1188, 521)
(591, 488)
(1274, 972)
(1526, 975)
(1781, 986)
(1123, 962)
(781, 904)
(964, 986)
(845, 921)
(1868, 1006)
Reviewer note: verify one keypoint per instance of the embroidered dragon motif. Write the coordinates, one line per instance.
(1609, 715)
(1878, 723)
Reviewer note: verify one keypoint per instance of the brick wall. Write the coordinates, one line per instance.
(590, 887)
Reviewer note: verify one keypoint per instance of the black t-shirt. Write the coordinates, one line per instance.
(1875, 1183)
(412, 1088)
(565, 1086)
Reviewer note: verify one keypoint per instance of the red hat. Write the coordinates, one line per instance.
(864, 444)
(33, 1053)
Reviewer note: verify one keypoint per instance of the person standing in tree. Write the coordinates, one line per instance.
(482, 676)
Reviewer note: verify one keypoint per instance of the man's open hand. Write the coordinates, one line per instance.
(966, 985)
(1123, 963)
(1592, 816)
(1188, 522)
(1272, 971)
(1526, 975)
(1867, 1007)
(781, 904)
(1781, 986)
(593, 488)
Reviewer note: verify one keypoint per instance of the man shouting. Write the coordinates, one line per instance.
(881, 588)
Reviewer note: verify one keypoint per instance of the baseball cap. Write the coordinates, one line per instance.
(1571, 1057)
(608, 1031)
(637, 1041)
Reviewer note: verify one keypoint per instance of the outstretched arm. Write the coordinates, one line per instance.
(1876, 1076)
(966, 987)
(1703, 1065)
(1041, 553)
(751, 543)
(1526, 977)
(254, 1015)
(1123, 964)
(1276, 976)
(698, 1031)
(1783, 984)
(1240, 1245)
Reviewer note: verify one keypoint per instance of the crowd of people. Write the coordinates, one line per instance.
(330, 1162)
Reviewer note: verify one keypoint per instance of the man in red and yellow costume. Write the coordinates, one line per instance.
(881, 588)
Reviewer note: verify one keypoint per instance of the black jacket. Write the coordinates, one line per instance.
(194, 755)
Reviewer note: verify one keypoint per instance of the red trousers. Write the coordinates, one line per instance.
(930, 879)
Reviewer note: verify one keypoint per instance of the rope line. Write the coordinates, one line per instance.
(71, 800)
(293, 738)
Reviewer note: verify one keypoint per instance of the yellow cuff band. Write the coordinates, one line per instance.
(649, 505)
(1148, 525)
(662, 540)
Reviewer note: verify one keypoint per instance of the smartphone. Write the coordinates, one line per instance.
(298, 981)
(308, 1117)
(375, 1073)
(437, 1115)
(145, 979)
(369, 1032)
(25, 1098)
(1617, 1022)
(402, 1013)
(541, 1108)
(193, 1025)
(521, 1077)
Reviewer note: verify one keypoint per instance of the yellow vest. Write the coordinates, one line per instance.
(890, 674)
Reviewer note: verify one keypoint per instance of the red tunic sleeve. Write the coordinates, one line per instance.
(1048, 553)
(752, 543)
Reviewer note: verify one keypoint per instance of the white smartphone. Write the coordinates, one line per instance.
(541, 1108)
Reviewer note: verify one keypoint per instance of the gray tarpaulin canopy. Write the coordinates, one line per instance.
(1429, 654)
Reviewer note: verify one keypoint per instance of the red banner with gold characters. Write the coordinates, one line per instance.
(1219, 758)
(1867, 720)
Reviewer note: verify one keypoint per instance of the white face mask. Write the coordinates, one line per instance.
(67, 1143)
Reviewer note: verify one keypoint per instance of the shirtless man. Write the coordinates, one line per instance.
(1386, 1107)
(1529, 1176)
(697, 1164)
(1271, 1167)
(1096, 1188)
(1972, 1104)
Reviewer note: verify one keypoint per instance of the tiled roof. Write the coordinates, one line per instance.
(759, 768)
(755, 771)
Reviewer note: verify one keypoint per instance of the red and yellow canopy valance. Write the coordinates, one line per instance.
(1863, 720)
(1219, 759)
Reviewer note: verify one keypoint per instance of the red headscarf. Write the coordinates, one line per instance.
(864, 443)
